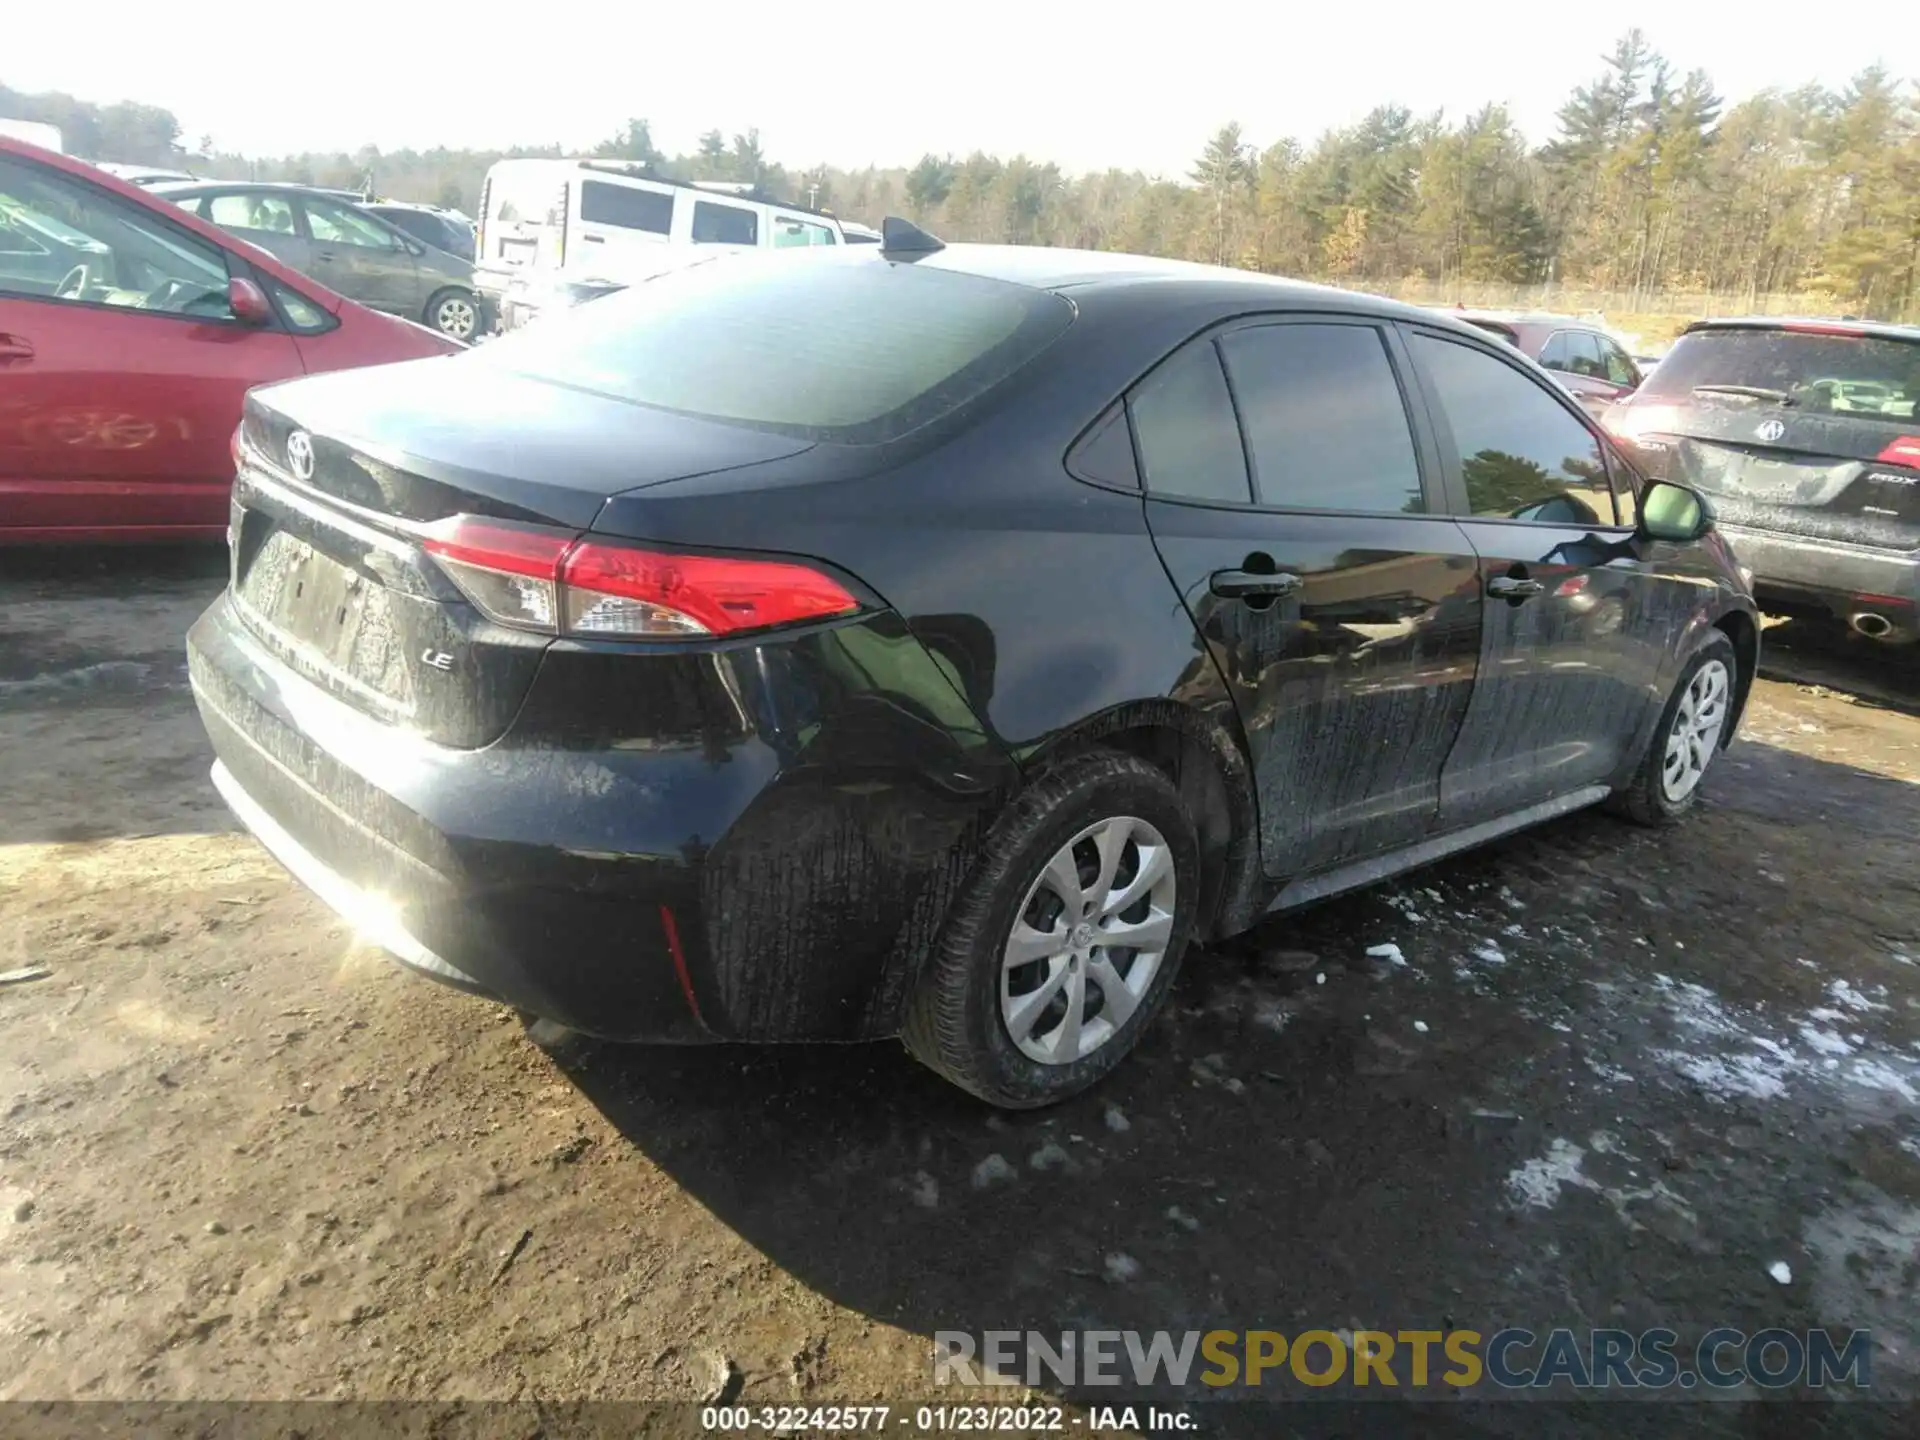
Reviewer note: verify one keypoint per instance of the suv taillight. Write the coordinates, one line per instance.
(561, 584)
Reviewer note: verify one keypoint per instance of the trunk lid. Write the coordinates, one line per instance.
(341, 475)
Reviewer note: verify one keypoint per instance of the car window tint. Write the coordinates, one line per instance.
(244, 211)
(724, 225)
(788, 231)
(1617, 364)
(336, 225)
(1326, 427)
(626, 207)
(1522, 455)
(1184, 427)
(1584, 346)
(61, 239)
(820, 347)
(1557, 353)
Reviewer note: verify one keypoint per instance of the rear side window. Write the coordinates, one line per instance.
(832, 346)
(1858, 375)
(1326, 427)
(626, 207)
(1522, 455)
(255, 211)
(1184, 428)
(724, 224)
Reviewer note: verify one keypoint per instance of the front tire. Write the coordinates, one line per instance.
(1064, 939)
(455, 313)
(1690, 733)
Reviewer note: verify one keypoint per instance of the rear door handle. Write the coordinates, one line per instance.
(1513, 587)
(594, 239)
(324, 255)
(1241, 584)
(15, 347)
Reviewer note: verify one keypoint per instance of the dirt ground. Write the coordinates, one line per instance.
(1613, 1078)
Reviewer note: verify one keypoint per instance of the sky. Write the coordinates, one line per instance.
(1126, 83)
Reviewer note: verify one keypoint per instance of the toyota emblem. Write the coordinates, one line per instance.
(300, 455)
(1769, 431)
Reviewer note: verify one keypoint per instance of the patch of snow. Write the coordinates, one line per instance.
(1877, 1075)
(994, 1170)
(1121, 1267)
(1510, 900)
(1387, 951)
(1537, 1184)
(1853, 999)
(1116, 1119)
(1824, 1041)
(1490, 952)
(1781, 1271)
(1725, 1076)
(1421, 1026)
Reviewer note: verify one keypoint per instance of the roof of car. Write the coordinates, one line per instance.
(1522, 317)
(1815, 324)
(1045, 268)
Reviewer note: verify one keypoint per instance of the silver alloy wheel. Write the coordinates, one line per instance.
(456, 316)
(1101, 911)
(1695, 734)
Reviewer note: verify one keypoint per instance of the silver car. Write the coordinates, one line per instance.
(345, 248)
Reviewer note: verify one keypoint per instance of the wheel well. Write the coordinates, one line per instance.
(1738, 627)
(1211, 776)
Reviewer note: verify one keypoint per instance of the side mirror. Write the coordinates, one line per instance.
(1673, 512)
(248, 302)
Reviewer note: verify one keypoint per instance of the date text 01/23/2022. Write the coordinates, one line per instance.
(933, 1419)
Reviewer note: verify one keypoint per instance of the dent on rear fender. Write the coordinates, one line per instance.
(827, 891)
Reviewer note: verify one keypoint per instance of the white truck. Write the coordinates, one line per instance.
(555, 232)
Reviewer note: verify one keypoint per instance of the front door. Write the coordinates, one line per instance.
(1576, 624)
(1297, 516)
(362, 259)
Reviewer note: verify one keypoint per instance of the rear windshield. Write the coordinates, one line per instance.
(831, 345)
(1876, 379)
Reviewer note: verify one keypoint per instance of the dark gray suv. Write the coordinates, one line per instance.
(345, 248)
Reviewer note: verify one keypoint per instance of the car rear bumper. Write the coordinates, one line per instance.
(1794, 572)
(683, 892)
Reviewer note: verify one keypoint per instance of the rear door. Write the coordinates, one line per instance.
(361, 258)
(1578, 620)
(1297, 513)
(117, 405)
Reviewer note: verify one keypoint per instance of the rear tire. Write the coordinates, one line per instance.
(1026, 999)
(1691, 732)
(455, 313)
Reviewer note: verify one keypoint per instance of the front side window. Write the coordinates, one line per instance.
(1523, 456)
(1326, 427)
(1617, 364)
(724, 224)
(336, 225)
(823, 347)
(61, 239)
(1184, 428)
(602, 203)
(242, 211)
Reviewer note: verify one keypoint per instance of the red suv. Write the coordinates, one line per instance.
(129, 332)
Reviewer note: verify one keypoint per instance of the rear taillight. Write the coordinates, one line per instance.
(535, 579)
(1904, 451)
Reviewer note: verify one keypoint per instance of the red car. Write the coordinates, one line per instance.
(129, 331)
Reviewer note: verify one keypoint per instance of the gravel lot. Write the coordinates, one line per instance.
(1612, 1079)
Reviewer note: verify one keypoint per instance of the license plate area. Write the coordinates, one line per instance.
(328, 619)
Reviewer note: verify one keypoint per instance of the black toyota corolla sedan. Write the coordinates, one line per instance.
(936, 641)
